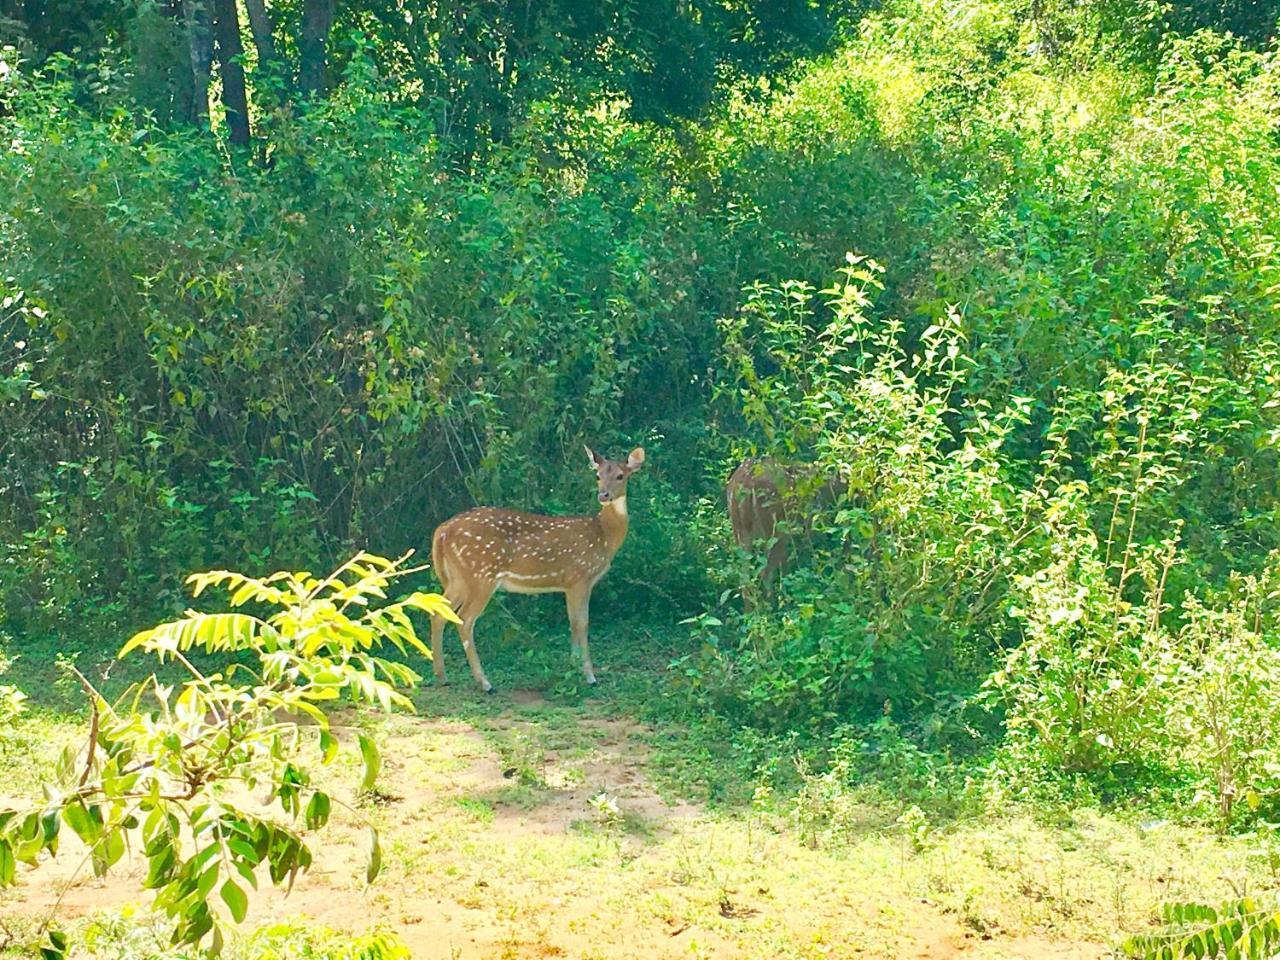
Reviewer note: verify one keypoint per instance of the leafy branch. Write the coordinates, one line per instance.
(152, 757)
(1241, 930)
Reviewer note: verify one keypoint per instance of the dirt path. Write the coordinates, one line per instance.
(493, 849)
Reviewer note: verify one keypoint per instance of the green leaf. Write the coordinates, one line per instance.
(311, 710)
(372, 762)
(207, 881)
(111, 847)
(236, 900)
(137, 640)
(375, 857)
(328, 746)
(57, 948)
(246, 871)
(7, 864)
(160, 867)
(431, 603)
(199, 921)
(244, 849)
(317, 814)
(250, 591)
(80, 819)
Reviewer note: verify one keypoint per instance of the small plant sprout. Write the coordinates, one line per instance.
(915, 826)
(606, 810)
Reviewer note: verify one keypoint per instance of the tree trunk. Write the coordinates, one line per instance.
(264, 39)
(317, 20)
(200, 42)
(230, 49)
(262, 29)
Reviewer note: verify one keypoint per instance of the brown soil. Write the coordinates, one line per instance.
(540, 877)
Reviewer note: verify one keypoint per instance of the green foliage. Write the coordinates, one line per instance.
(1103, 446)
(124, 935)
(906, 564)
(1081, 679)
(1240, 928)
(12, 702)
(1052, 417)
(1225, 703)
(476, 72)
(253, 380)
(480, 72)
(154, 759)
(1106, 679)
(291, 941)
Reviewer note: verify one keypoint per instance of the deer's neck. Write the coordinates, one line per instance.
(613, 523)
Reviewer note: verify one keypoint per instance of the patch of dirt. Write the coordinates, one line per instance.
(478, 866)
(936, 941)
(614, 766)
(458, 762)
(527, 698)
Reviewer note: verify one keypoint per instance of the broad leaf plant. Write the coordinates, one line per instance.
(147, 773)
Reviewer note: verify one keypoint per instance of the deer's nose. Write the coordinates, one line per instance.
(604, 496)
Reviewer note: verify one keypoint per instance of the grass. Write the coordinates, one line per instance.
(495, 848)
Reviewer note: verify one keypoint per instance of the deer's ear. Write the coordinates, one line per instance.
(592, 455)
(636, 460)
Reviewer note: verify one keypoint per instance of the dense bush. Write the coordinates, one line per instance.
(210, 362)
(1074, 433)
(157, 759)
(902, 583)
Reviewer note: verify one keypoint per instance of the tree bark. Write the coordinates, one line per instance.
(317, 21)
(270, 66)
(263, 30)
(200, 43)
(230, 49)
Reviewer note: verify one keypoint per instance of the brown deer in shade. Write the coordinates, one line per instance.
(770, 503)
(488, 549)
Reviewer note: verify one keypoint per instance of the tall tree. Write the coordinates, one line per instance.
(479, 65)
(271, 71)
(230, 49)
(200, 42)
(317, 21)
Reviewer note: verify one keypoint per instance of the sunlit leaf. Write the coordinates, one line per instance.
(235, 899)
(372, 761)
(375, 857)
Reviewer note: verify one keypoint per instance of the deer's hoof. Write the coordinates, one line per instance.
(491, 691)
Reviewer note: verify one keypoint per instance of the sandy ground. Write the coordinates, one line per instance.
(489, 856)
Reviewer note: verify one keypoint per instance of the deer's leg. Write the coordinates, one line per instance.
(470, 613)
(467, 630)
(578, 600)
(772, 573)
(437, 632)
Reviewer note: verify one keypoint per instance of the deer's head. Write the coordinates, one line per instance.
(611, 475)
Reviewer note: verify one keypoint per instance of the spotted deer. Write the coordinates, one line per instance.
(488, 549)
(770, 503)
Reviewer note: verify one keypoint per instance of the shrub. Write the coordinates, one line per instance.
(905, 573)
(1224, 705)
(157, 769)
(209, 362)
